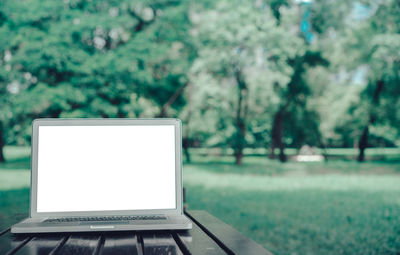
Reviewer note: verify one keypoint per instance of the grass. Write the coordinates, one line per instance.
(317, 214)
(14, 185)
(334, 207)
(14, 206)
(381, 154)
(256, 165)
(308, 221)
(18, 158)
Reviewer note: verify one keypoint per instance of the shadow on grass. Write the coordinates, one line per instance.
(14, 206)
(17, 163)
(264, 166)
(308, 221)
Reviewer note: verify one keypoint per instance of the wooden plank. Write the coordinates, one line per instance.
(11, 220)
(160, 242)
(40, 244)
(198, 242)
(121, 243)
(81, 244)
(226, 236)
(10, 242)
(4, 231)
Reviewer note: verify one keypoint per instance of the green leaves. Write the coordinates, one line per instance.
(216, 64)
(79, 58)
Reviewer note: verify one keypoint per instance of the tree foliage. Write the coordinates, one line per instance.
(243, 54)
(250, 76)
(94, 58)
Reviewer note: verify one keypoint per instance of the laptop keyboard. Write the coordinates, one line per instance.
(107, 218)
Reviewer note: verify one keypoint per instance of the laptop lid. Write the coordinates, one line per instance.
(89, 167)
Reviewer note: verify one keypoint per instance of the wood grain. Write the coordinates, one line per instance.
(198, 242)
(160, 242)
(229, 238)
(40, 245)
(209, 236)
(10, 242)
(121, 243)
(84, 244)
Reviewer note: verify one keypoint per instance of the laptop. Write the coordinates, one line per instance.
(105, 175)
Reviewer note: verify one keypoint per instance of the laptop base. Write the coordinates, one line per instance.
(33, 225)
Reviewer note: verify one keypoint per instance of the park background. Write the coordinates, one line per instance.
(290, 108)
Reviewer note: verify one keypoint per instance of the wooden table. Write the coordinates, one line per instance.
(209, 235)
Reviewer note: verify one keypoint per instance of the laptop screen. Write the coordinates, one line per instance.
(104, 168)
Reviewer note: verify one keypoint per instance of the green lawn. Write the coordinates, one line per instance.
(14, 185)
(337, 207)
(382, 154)
(315, 214)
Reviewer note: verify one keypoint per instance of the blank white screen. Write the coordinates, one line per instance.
(99, 168)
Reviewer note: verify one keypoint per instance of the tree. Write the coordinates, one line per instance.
(376, 45)
(352, 93)
(384, 59)
(94, 59)
(234, 44)
(293, 119)
(294, 98)
(2, 104)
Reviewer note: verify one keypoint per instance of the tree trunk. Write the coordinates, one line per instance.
(2, 159)
(185, 144)
(277, 135)
(240, 121)
(239, 140)
(171, 100)
(272, 150)
(282, 156)
(363, 143)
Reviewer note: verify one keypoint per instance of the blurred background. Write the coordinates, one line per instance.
(290, 108)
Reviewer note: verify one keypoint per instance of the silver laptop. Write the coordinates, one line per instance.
(105, 175)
